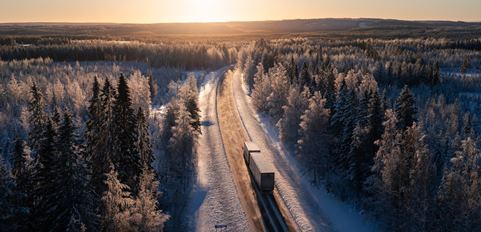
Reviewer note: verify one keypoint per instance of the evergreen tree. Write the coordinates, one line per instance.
(435, 77)
(117, 204)
(375, 119)
(125, 154)
(181, 143)
(146, 215)
(422, 181)
(466, 168)
(279, 92)
(288, 125)
(359, 160)
(171, 115)
(362, 109)
(465, 66)
(45, 180)
(22, 174)
(56, 118)
(312, 146)
(20, 157)
(189, 95)
(100, 135)
(405, 109)
(382, 186)
(337, 116)
(6, 194)
(144, 145)
(36, 119)
(153, 88)
(262, 90)
(72, 193)
(93, 123)
(363, 147)
(330, 93)
(97, 126)
(249, 70)
(452, 196)
(293, 72)
(304, 76)
(342, 125)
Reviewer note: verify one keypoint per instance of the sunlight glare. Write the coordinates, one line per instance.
(205, 10)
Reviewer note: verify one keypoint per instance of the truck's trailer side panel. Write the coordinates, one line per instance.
(262, 172)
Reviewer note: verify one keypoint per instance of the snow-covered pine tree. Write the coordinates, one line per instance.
(117, 204)
(337, 116)
(405, 109)
(382, 185)
(304, 75)
(168, 123)
(56, 117)
(262, 89)
(45, 179)
(144, 145)
(363, 148)
(312, 146)
(359, 160)
(375, 119)
(73, 193)
(293, 71)
(422, 177)
(452, 195)
(473, 180)
(93, 123)
(249, 72)
(330, 93)
(471, 171)
(22, 173)
(342, 125)
(99, 134)
(125, 154)
(20, 157)
(362, 109)
(7, 211)
(435, 76)
(181, 144)
(288, 125)
(279, 92)
(189, 94)
(153, 88)
(146, 216)
(36, 119)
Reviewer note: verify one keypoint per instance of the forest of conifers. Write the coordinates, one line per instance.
(387, 124)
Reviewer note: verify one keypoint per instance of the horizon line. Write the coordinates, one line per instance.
(237, 21)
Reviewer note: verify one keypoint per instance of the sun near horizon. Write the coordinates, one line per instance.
(165, 11)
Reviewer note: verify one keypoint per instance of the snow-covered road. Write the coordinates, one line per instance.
(311, 208)
(214, 201)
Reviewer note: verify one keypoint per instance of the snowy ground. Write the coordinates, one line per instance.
(312, 208)
(214, 200)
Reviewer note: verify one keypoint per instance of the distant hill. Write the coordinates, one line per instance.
(327, 25)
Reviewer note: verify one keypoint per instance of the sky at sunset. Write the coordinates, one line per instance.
(158, 11)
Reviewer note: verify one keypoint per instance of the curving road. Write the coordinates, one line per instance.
(215, 202)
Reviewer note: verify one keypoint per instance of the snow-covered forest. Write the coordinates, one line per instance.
(95, 146)
(389, 125)
(100, 135)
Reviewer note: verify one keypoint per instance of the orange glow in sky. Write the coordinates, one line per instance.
(155, 11)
